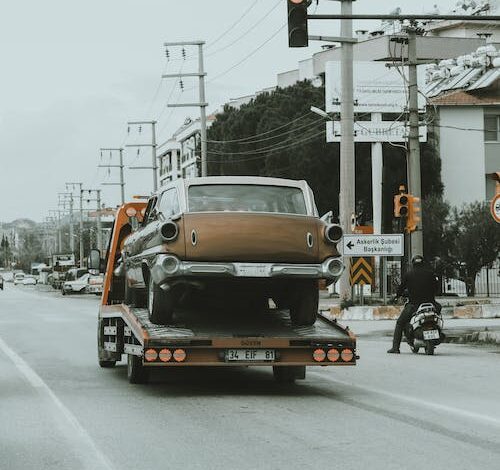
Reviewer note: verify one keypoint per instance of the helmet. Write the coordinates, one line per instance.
(417, 260)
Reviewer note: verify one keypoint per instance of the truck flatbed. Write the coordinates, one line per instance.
(207, 338)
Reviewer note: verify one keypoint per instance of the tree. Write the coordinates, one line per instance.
(30, 250)
(473, 241)
(5, 252)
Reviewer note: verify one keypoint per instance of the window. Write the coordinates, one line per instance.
(246, 198)
(491, 127)
(169, 204)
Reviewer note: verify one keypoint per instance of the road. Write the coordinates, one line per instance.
(59, 410)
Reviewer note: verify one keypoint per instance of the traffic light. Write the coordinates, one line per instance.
(401, 203)
(297, 23)
(413, 213)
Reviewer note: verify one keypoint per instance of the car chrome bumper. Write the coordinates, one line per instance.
(167, 267)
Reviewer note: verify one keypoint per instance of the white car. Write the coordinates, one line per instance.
(18, 278)
(28, 281)
(86, 284)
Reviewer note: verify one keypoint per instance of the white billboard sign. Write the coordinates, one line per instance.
(377, 88)
(374, 131)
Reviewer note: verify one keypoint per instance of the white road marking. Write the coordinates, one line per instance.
(75, 430)
(419, 402)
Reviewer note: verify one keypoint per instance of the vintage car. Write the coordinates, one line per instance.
(236, 241)
(85, 284)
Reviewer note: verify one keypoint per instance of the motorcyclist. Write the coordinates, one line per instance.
(421, 285)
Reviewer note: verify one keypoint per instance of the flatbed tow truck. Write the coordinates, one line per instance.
(207, 338)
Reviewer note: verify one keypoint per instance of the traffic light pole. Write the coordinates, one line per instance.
(413, 163)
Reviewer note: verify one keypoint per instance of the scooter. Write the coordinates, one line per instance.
(425, 329)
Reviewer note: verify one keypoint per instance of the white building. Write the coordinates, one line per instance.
(466, 94)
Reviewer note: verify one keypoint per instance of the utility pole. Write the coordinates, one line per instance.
(154, 164)
(68, 197)
(202, 104)
(73, 185)
(413, 162)
(57, 220)
(120, 166)
(97, 199)
(347, 157)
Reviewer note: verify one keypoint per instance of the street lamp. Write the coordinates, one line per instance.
(321, 113)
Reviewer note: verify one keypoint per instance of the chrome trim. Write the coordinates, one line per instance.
(310, 239)
(174, 236)
(242, 270)
(194, 237)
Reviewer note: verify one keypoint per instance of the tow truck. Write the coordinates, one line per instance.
(206, 338)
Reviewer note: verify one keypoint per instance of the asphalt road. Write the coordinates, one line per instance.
(59, 410)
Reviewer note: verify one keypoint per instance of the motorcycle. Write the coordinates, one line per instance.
(425, 329)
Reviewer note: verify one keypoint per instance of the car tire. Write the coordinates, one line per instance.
(136, 372)
(304, 307)
(160, 304)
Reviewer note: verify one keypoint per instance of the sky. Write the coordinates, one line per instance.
(75, 72)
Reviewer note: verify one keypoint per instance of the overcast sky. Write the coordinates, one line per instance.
(74, 72)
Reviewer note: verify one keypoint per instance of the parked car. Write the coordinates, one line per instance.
(86, 284)
(29, 281)
(18, 278)
(228, 240)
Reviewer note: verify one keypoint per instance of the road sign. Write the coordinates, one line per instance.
(361, 272)
(373, 245)
(495, 208)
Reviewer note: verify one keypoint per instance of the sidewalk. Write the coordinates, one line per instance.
(453, 307)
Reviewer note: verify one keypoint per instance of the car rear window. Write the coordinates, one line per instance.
(246, 198)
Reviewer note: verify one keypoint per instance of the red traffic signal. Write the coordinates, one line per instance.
(297, 23)
(413, 213)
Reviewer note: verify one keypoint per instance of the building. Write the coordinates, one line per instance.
(465, 92)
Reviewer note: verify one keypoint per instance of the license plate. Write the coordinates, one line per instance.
(253, 270)
(250, 355)
(431, 334)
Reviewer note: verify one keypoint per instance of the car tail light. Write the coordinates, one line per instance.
(333, 355)
(169, 231)
(319, 355)
(179, 355)
(170, 264)
(165, 355)
(333, 233)
(151, 355)
(347, 355)
(335, 267)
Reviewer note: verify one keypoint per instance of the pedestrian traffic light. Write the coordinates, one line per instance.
(401, 205)
(413, 213)
(297, 23)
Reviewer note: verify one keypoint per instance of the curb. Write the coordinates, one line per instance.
(486, 337)
(392, 312)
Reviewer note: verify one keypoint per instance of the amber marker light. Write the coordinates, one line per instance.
(150, 355)
(319, 355)
(347, 355)
(333, 355)
(165, 355)
(179, 355)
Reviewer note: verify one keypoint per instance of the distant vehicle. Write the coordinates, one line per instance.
(86, 284)
(29, 281)
(18, 278)
(61, 263)
(1, 282)
(8, 276)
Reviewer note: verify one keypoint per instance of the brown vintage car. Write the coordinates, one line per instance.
(231, 240)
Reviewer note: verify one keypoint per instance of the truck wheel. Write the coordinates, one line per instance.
(304, 307)
(288, 374)
(136, 372)
(160, 304)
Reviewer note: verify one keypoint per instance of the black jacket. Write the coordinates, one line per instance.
(421, 284)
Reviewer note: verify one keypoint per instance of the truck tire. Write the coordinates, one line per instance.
(288, 374)
(136, 372)
(160, 304)
(304, 307)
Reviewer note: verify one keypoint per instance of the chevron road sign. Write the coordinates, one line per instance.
(361, 271)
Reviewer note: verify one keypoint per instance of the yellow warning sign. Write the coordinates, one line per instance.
(361, 271)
